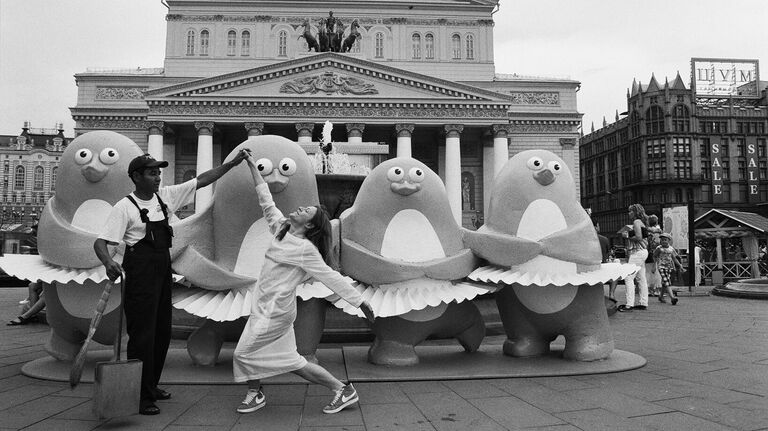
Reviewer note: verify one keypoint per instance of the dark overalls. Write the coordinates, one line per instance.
(147, 266)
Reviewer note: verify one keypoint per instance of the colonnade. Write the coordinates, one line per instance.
(493, 160)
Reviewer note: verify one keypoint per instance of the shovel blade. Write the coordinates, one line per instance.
(117, 388)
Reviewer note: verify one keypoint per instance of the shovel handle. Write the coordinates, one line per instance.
(119, 336)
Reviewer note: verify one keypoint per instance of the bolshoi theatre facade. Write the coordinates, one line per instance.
(415, 79)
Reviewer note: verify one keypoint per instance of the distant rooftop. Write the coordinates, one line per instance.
(126, 71)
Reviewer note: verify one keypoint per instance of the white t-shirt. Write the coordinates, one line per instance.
(124, 222)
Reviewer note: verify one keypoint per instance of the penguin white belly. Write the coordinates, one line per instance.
(410, 237)
(542, 218)
(250, 257)
(91, 215)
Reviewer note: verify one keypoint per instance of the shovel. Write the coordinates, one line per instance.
(117, 383)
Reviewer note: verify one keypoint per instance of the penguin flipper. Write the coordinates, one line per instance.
(203, 272)
(501, 249)
(195, 230)
(363, 265)
(578, 244)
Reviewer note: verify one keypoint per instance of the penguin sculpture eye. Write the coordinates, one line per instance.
(395, 173)
(287, 166)
(109, 156)
(535, 163)
(555, 167)
(416, 175)
(83, 156)
(264, 167)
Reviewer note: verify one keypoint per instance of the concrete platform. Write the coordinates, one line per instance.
(437, 362)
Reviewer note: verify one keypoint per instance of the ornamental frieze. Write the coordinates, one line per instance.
(120, 93)
(328, 83)
(540, 128)
(363, 21)
(535, 98)
(111, 124)
(332, 111)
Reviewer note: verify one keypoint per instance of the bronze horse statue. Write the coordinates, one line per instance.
(349, 41)
(337, 37)
(322, 36)
(307, 35)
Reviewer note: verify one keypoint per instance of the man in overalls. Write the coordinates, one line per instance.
(141, 221)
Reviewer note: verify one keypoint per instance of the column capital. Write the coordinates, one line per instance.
(404, 129)
(155, 127)
(359, 127)
(204, 127)
(568, 143)
(305, 126)
(501, 130)
(453, 130)
(254, 128)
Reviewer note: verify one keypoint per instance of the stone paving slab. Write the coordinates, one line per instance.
(707, 362)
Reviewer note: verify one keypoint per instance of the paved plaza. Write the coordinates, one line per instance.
(707, 369)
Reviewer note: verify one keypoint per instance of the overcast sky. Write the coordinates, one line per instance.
(604, 44)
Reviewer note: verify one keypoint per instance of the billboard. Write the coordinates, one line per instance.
(719, 77)
(676, 224)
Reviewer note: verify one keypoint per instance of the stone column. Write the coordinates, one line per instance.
(204, 161)
(570, 158)
(355, 133)
(305, 132)
(500, 147)
(254, 129)
(404, 132)
(155, 140)
(453, 168)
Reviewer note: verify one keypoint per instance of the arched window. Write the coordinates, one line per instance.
(191, 42)
(654, 120)
(429, 47)
(54, 174)
(18, 182)
(470, 47)
(680, 121)
(231, 42)
(282, 44)
(38, 177)
(416, 46)
(245, 43)
(456, 46)
(204, 42)
(379, 45)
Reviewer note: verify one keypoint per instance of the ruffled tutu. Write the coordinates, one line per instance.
(399, 298)
(227, 305)
(499, 275)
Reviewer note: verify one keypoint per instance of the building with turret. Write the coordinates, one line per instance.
(29, 163)
(704, 141)
(414, 79)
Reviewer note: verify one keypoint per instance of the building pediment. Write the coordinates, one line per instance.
(327, 76)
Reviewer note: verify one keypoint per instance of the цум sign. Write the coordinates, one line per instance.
(719, 77)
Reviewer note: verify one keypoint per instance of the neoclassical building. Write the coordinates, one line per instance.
(418, 80)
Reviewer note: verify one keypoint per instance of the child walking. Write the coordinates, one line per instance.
(300, 248)
(667, 260)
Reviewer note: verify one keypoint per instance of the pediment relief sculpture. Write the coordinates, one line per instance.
(328, 83)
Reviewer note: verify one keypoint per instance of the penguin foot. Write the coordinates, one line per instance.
(204, 344)
(587, 349)
(61, 349)
(526, 346)
(471, 339)
(392, 353)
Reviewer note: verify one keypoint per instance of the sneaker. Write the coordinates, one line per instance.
(674, 300)
(640, 307)
(253, 401)
(344, 397)
(661, 299)
(622, 308)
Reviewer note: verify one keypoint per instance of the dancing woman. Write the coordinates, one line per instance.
(300, 248)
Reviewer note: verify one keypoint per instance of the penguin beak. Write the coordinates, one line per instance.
(405, 189)
(276, 182)
(94, 174)
(544, 177)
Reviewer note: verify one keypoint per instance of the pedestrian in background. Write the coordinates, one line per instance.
(667, 260)
(638, 251)
(652, 276)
